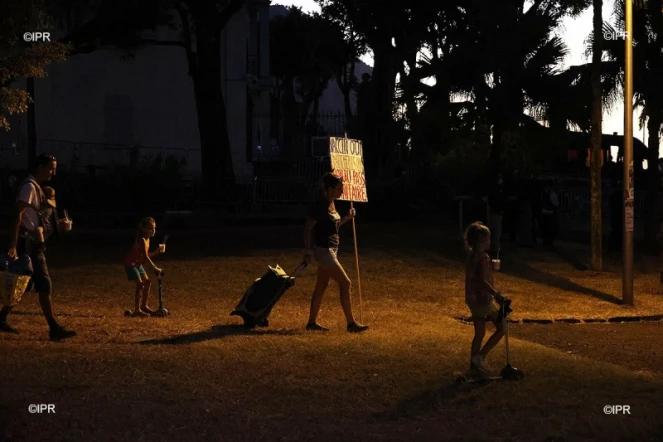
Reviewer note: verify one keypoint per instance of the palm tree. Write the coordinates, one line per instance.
(511, 78)
(648, 93)
(487, 76)
(596, 258)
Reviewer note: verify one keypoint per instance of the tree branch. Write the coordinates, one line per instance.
(188, 44)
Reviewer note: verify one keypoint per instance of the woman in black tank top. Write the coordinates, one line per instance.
(321, 241)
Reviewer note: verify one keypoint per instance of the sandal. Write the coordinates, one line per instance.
(7, 328)
(356, 327)
(316, 327)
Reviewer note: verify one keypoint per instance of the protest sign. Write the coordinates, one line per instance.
(347, 162)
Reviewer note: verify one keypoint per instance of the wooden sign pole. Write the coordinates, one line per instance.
(354, 235)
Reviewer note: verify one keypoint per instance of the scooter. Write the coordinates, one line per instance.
(509, 372)
(162, 311)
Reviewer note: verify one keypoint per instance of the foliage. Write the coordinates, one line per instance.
(461, 165)
(20, 59)
(465, 64)
(325, 51)
(313, 63)
(647, 54)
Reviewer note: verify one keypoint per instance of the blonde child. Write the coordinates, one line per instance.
(133, 265)
(480, 295)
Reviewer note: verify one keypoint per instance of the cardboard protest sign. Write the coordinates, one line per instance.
(347, 161)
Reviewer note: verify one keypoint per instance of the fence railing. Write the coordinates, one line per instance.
(83, 156)
(272, 192)
(287, 137)
(578, 202)
(305, 169)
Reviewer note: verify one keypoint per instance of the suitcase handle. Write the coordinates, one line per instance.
(301, 266)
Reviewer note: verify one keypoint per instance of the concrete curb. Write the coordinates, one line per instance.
(613, 320)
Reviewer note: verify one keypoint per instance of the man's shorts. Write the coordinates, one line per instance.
(41, 279)
(135, 273)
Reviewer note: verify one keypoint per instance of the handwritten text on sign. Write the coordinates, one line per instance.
(346, 161)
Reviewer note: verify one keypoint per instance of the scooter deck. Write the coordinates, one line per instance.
(478, 380)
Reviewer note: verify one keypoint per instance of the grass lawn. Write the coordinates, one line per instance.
(196, 375)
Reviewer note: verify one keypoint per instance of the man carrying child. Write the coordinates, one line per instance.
(30, 227)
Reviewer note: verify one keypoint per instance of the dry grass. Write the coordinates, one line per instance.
(197, 376)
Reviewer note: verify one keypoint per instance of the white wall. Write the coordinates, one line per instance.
(72, 102)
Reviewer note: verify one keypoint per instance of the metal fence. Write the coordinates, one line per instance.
(82, 156)
(577, 202)
(259, 192)
(288, 137)
(101, 157)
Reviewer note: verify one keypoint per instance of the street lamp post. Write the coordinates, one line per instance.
(629, 200)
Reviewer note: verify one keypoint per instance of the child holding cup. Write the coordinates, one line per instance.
(480, 295)
(133, 265)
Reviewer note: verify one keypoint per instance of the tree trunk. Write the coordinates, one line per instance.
(654, 103)
(31, 123)
(653, 220)
(506, 114)
(384, 83)
(596, 228)
(216, 156)
(347, 90)
(344, 81)
(416, 146)
(497, 145)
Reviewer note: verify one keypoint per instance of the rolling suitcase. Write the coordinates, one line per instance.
(259, 300)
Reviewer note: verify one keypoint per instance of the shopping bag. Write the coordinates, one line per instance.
(14, 280)
(12, 288)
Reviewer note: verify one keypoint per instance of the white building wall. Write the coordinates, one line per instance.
(107, 98)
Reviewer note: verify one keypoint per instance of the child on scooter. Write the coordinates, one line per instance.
(480, 295)
(133, 265)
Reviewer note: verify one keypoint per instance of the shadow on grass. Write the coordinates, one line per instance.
(433, 401)
(571, 258)
(64, 314)
(217, 332)
(524, 271)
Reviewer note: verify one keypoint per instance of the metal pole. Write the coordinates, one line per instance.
(629, 200)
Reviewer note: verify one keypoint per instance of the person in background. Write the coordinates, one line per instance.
(496, 202)
(549, 216)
